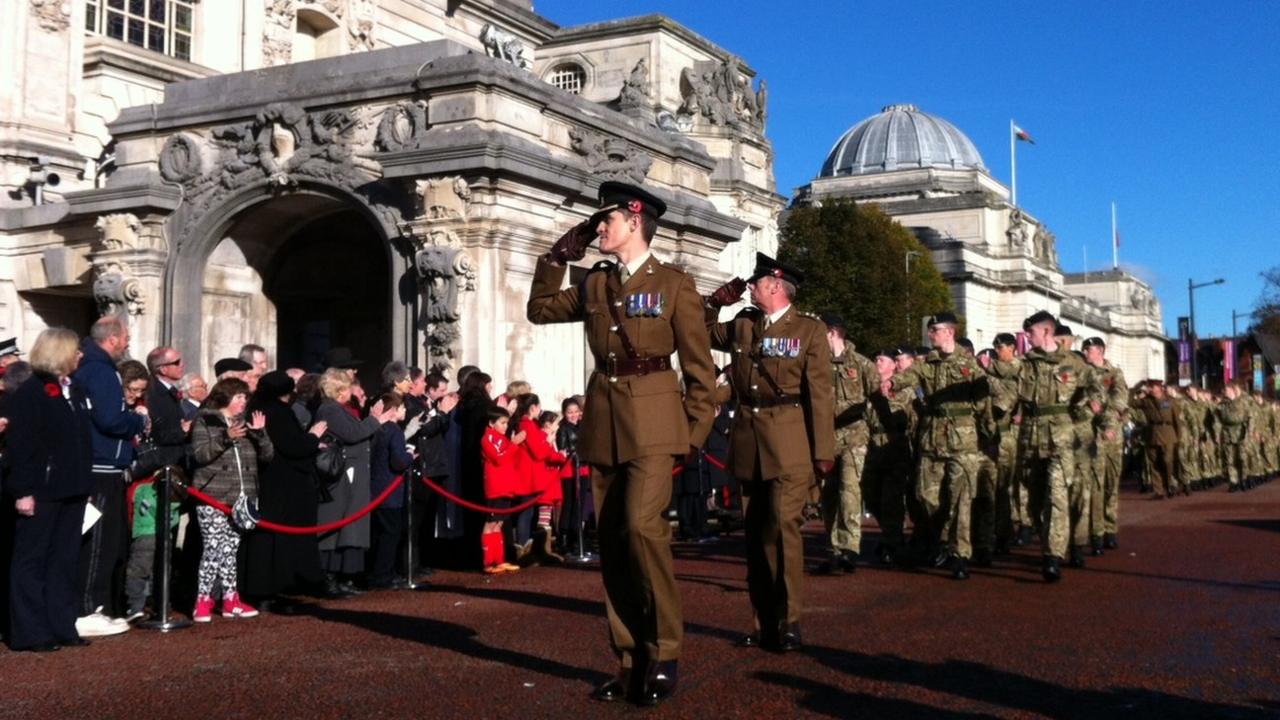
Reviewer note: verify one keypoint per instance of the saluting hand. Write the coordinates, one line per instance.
(728, 294)
(572, 246)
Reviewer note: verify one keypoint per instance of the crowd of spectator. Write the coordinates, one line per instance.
(87, 432)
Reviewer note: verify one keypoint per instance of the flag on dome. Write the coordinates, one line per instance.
(1023, 135)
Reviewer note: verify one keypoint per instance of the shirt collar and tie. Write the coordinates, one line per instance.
(775, 316)
(626, 270)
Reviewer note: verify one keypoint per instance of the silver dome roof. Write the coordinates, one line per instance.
(901, 137)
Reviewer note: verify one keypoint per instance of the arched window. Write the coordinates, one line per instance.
(317, 36)
(164, 26)
(569, 77)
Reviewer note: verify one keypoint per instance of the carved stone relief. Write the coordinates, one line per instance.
(52, 15)
(610, 157)
(635, 89)
(402, 126)
(445, 270)
(277, 33)
(444, 198)
(360, 24)
(499, 43)
(722, 95)
(1017, 232)
(115, 288)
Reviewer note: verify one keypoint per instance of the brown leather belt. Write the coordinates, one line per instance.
(765, 403)
(623, 367)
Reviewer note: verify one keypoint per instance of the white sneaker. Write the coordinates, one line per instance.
(99, 625)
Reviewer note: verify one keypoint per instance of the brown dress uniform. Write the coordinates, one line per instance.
(634, 424)
(1161, 418)
(782, 377)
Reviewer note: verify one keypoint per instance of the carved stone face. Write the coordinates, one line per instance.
(283, 142)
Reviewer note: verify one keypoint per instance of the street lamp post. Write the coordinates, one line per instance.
(1191, 296)
(1235, 340)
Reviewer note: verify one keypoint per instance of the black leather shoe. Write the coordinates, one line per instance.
(830, 566)
(1024, 536)
(1096, 544)
(790, 639)
(1052, 571)
(942, 557)
(758, 640)
(848, 561)
(44, 648)
(1110, 542)
(659, 682)
(74, 642)
(615, 689)
(1077, 556)
(982, 558)
(959, 569)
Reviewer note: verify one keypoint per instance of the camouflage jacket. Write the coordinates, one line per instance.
(1054, 389)
(853, 379)
(954, 388)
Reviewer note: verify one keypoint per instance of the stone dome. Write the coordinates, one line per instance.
(901, 137)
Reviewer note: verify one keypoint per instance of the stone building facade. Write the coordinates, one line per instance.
(1000, 262)
(375, 174)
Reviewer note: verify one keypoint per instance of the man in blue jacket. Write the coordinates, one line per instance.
(113, 429)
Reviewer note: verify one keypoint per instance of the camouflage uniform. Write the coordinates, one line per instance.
(854, 377)
(889, 423)
(954, 387)
(1011, 486)
(1108, 462)
(1084, 450)
(1050, 385)
(1189, 429)
(985, 488)
(1235, 428)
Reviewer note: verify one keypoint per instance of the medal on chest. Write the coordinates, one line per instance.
(644, 304)
(780, 347)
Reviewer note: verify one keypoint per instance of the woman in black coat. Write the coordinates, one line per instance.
(49, 457)
(287, 494)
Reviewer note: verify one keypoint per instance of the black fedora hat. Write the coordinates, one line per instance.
(340, 357)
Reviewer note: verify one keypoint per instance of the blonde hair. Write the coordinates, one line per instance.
(55, 351)
(334, 381)
(516, 388)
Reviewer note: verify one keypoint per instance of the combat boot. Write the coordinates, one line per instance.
(1096, 542)
(959, 568)
(1052, 571)
(1077, 556)
(982, 557)
(1110, 541)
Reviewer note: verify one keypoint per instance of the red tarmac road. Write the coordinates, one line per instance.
(1183, 621)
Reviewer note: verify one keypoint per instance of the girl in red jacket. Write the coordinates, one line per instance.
(501, 456)
(540, 467)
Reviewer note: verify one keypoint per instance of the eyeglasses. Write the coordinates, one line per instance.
(179, 361)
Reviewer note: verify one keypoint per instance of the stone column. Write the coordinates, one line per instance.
(445, 269)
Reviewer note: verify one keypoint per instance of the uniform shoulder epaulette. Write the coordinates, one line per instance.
(809, 315)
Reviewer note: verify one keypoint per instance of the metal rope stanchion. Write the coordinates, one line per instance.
(163, 621)
(410, 539)
(583, 555)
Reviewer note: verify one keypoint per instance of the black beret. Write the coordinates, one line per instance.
(943, 318)
(275, 384)
(965, 343)
(832, 320)
(903, 350)
(226, 365)
(616, 195)
(766, 265)
(1094, 342)
(1005, 340)
(887, 352)
(1040, 317)
(921, 351)
(1062, 330)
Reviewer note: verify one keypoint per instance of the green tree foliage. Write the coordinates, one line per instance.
(1266, 315)
(854, 260)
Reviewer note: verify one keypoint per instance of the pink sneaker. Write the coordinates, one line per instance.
(234, 607)
(204, 609)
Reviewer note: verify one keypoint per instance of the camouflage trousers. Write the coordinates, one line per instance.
(842, 500)
(1188, 463)
(1104, 499)
(1233, 462)
(887, 469)
(983, 515)
(944, 488)
(1080, 495)
(1049, 479)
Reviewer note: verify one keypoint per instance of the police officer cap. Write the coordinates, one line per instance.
(767, 266)
(226, 365)
(1040, 317)
(615, 195)
(1062, 331)
(9, 347)
(832, 321)
(1094, 342)
(1005, 340)
(943, 318)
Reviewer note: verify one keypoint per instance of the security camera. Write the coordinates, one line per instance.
(52, 179)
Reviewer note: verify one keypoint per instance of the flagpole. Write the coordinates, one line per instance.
(1086, 263)
(1013, 164)
(1115, 246)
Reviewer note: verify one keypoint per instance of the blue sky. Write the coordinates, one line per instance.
(1171, 109)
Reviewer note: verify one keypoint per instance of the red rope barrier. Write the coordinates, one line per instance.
(294, 530)
(478, 508)
(709, 457)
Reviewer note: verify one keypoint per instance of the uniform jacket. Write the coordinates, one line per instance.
(633, 416)
(779, 437)
(1235, 420)
(1003, 385)
(49, 446)
(221, 463)
(114, 425)
(1115, 403)
(889, 418)
(853, 379)
(1054, 389)
(501, 465)
(1161, 418)
(956, 391)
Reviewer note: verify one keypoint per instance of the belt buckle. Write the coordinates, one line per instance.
(611, 366)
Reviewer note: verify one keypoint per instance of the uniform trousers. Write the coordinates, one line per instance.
(103, 549)
(641, 598)
(1080, 495)
(842, 500)
(888, 467)
(44, 598)
(984, 512)
(1160, 461)
(944, 487)
(1049, 478)
(772, 515)
(1012, 507)
(1104, 503)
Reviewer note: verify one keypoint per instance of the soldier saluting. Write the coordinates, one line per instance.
(635, 424)
(784, 430)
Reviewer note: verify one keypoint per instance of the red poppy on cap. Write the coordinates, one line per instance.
(635, 206)
(777, 272)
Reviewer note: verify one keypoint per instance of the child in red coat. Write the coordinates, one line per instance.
(541, 467)
(501, 456)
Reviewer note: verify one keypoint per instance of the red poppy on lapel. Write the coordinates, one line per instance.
(52, 390)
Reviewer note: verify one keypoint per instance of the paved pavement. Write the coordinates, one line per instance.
(1183, 621)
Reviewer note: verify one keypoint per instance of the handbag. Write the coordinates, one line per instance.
(244, 513)
(148, 457)
(331, 461)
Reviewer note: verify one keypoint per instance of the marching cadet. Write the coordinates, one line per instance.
(1050, 386)
(1104, 502)
(1188, 428)
(1080, 486)
(636, 313)
(888, 467)
(1235, 428)
(1013, 522)
(1160, 417)
(784, 431)
(954, 386)
(853, 379)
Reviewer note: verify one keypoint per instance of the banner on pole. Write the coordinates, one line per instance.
(1258, 369)
(1228, 361)
(1184, 351)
